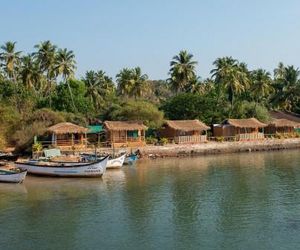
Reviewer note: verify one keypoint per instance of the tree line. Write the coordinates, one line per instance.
(41, 87)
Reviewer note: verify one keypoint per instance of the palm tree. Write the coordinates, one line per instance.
(182, 70)
(287, 89)
(230, 75)
(261, 84)
(125, 81)
(10, 59)
(279, 71)
(140, 86)
(99, 87)
(65, 66)
(46, 56)
(30, 72)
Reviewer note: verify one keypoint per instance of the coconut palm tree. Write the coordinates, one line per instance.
(65, 66)
(183, 70)
(99, 87)
(10, 59)
(279, 71)
(287, 89)
(46, 56)
(140, 86)
(231, 76)
(30, 72)
(261, 84)
(125, 82)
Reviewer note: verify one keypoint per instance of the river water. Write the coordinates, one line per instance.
(238, 201)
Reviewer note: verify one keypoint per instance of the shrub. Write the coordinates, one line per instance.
(220, 139)
(151, 140)
(37, 147)
(163, 141)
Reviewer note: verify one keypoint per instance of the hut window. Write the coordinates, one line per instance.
(133, 133)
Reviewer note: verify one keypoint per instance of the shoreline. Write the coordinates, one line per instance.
(212, 148)
(207, 148)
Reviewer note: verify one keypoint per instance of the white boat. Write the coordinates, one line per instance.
(60, 169)
(116, 162)
(112, 163)
(12, 175)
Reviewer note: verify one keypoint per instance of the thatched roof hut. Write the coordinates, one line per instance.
(280, 123)
(67, 128)
(285, 115)
(186, 125)
(245, 123)
(124, 125)
(240, 129)
(66, 134)
(184, 131)
(125, 133)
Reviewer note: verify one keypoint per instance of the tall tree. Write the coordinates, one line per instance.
(10, 59)
(230, 75)
(46, 57)
(30, 73)
(140, 86)
(132, 82)
(65, 65)
(287, 89)
(261, 84)
(99, 87)
(183, 70)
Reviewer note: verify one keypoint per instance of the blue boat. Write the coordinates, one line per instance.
(131, 159)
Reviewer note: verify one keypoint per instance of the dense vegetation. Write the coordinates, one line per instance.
(39, 89)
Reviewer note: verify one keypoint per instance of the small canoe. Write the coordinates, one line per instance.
(12, 175)
(61, 169)
(131, 159)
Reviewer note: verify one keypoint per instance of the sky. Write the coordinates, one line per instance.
(114, 34)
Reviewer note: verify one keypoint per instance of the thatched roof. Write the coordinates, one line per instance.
(67, 128)
(245, 123)
(280, 123)
(124, 125)
(186, 125)
(285, 115)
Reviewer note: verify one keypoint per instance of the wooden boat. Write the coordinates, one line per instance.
(116, 162)
(62, 169)
(8, 157)
(112, 163)
(131, 159)
(12, 175)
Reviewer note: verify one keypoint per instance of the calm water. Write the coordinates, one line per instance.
(241, 201)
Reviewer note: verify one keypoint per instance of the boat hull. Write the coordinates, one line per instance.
(117, 162)
(131, 159)
(94, 169)
(112, 163)
(13, 177)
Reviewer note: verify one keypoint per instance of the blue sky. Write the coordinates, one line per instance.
(111, 35)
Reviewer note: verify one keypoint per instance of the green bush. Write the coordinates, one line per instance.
(37, 147)
(163, 141)
(151, 140)
(220, 139)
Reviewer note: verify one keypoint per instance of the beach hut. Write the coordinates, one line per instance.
(184, 131)
(95, 134)
(125, 133)
(282, 126)
(240, 129)
(67, 134)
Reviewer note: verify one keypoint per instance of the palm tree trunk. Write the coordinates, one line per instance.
(71, 94)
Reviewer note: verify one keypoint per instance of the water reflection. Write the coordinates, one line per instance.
(241, 201)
